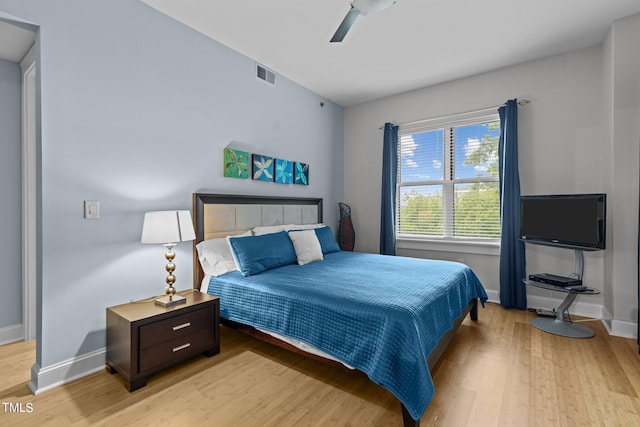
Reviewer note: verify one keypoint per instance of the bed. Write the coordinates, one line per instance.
(351, 310)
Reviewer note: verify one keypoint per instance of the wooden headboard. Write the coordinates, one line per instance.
(220, 215)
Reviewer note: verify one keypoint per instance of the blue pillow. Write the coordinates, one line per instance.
(327, 240)
(256, 254)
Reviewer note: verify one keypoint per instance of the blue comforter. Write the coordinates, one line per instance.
(380, 314)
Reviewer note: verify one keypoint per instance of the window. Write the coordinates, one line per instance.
(448, 179)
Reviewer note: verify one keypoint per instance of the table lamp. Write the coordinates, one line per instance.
(168, 228)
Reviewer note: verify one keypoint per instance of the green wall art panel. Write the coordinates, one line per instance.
(236, 164)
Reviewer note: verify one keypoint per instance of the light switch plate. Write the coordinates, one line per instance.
(91, 209)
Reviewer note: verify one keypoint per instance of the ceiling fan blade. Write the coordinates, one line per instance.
(346, 24)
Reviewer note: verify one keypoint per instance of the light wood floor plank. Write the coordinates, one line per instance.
(498, 371)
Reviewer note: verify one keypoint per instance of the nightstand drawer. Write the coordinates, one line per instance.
(176, 349)
(175, 327)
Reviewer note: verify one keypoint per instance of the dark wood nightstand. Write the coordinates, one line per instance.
(143, 338)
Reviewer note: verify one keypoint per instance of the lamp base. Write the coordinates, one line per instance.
(168, 301)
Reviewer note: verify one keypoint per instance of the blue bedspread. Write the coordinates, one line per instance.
(380, 314)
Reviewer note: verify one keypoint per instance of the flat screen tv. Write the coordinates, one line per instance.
(576, 221)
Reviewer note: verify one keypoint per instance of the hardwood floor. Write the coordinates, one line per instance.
(498, 371)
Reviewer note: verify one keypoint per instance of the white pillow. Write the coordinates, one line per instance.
(305, 226)
(306, 245)
(215, 256)
(268, 229)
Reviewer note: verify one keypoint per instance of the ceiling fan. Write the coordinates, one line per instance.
(359, 7)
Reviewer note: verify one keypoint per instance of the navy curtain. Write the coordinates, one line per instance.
(512, 258)
(389, 179)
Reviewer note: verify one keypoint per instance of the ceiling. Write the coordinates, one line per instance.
(413, 44)
(15, 42)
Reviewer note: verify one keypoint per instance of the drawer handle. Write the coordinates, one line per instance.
(182, 347)
(184, 325)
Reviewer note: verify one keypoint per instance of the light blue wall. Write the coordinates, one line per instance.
(136, 109)
(10, 193)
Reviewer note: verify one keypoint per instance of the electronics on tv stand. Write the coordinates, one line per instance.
(552, 279)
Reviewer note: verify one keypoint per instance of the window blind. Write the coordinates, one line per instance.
(448, 178)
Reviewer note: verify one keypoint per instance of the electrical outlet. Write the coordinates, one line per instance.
(91, 209)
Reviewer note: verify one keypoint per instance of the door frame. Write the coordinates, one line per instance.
(29, 138)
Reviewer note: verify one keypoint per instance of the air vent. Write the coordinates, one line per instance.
(266, 75)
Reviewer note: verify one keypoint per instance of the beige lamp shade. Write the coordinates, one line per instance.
(167, 227)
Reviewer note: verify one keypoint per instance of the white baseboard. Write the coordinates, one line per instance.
(494, 296)
(618, 328)
(43, 379)
(11, 334)
(579, 308)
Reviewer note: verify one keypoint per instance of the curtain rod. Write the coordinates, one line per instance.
(521, 103)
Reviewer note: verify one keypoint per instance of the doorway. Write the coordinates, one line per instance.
(17, 46)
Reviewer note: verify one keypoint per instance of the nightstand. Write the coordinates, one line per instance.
(144, 338)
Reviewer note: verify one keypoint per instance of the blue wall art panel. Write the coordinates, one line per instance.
(284, 171)
(262, 168)
(301, 173)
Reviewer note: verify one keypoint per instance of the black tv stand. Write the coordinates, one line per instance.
(558, 325)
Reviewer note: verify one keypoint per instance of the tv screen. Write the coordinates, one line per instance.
(573, 221)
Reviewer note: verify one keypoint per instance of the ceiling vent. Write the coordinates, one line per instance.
(265, 74)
